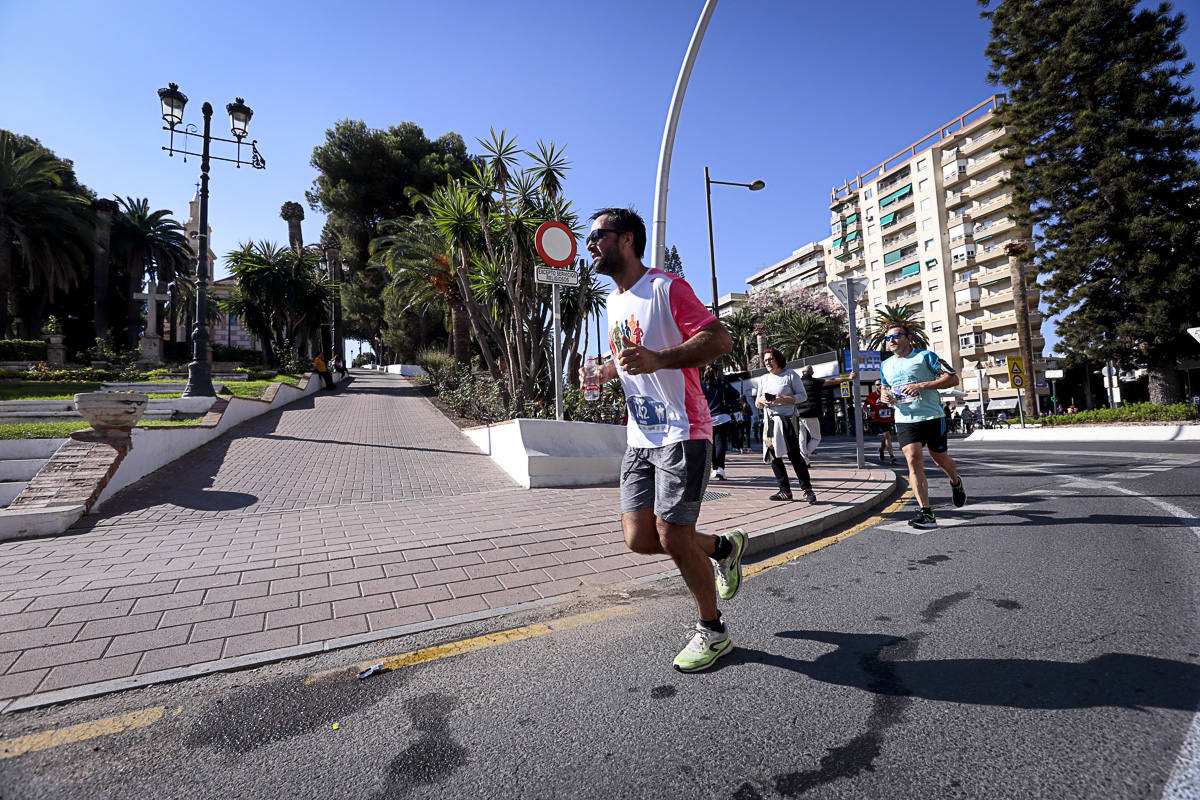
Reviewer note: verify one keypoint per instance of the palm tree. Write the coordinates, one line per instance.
(279, 294)
(887, 316)
(414, 254)
(741, 328)
(796, 333)
(152, 245)
(44, 229)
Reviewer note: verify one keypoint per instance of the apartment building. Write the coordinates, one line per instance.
(927, 228)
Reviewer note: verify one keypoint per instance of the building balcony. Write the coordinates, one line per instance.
(990, 160)
(974, 351)
(957, 198)
(958, 216)
(985, 254)
(892, 242)
(907, 280)
(965, 279)
(999, 320)
(991, 299)
(962, 238)
(995, 226)
(956, 175)
(962, 261)
(988, 184)
(963, 306)
(992, 205)
(977, 142)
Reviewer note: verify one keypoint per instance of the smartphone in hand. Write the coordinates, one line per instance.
(770, 398)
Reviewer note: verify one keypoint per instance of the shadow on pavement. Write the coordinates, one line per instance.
(1122, 680)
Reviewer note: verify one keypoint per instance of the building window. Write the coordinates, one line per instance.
(870, 230)
(925, 204)
(875, 284)
(875, 265)
(933, 287)
(866, 194)
(934, 305)
(929, 244)
(874, 248)
(922, 164)
(923, 185)
(937, 328)
(927, 224)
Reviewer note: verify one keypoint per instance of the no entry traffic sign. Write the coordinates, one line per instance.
(555, 243)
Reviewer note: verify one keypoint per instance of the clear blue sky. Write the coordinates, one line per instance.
(778, 93)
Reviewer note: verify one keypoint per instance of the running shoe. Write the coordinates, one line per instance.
(782, 494)
(702, 650)
(960, 493)
(810, 497)
(893, 461)
(924, 519)
(729, 568)
(719, 473)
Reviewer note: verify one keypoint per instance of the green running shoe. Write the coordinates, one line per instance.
(705, 647)
(729, 568)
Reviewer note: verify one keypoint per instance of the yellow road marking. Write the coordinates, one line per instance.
(812, 547)
(478, 643)
(29, 743)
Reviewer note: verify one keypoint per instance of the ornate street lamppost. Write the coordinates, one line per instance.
(173, 101)
(333, 261)
(712, 257)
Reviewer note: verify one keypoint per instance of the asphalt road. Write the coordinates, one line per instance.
(1043, 642)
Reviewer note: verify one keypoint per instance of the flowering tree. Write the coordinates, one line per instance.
(797, 321)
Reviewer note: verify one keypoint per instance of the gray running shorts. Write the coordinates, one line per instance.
(670, 479)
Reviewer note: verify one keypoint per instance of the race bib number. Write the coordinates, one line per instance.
(647, 413)
(885, 413)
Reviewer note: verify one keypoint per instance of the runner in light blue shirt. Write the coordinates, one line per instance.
(911, 379)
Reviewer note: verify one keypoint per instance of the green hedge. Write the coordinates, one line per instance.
(243, 355)
(1132, 412)
(22, 350)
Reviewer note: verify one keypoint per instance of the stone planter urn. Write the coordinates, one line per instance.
(55, 339)
(111, 412)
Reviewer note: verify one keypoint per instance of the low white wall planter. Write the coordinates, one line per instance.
(542, 453)
(405, 370)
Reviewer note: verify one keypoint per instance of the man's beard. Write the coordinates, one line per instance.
(606, 265)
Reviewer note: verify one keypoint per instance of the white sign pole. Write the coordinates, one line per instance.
(558, 401)
(848, 291)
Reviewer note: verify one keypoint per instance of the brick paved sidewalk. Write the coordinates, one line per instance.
(350, 516)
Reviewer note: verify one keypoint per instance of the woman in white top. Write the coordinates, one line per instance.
(778, 392)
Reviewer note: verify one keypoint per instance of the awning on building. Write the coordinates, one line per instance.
(911, 269)
(896, 195)
(1003, 404)
(886, 219)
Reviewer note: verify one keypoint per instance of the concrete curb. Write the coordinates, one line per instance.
(251, 660)
(792, 532)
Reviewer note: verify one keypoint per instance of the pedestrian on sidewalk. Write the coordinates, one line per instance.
(747, 422)
(880, 414)
(778, 392)
(321, 369)
(721, 399)
(808, 411)
(911, 379)
(660, 333)
(339, 366)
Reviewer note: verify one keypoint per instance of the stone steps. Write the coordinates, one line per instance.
(166, 408)
(20, 460)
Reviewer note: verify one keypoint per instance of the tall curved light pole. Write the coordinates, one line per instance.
(712, 254)
(659, 229)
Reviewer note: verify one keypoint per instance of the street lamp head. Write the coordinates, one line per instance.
(754, 187)
(173, 102)
(239, 117)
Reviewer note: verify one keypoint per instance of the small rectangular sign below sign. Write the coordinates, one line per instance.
(563, 277)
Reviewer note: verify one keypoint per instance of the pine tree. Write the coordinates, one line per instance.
(1104, 141)
(672, 263)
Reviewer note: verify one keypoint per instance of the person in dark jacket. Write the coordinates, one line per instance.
(808, 411)
(722, 401)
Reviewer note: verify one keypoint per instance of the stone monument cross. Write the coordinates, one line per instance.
(151, 297)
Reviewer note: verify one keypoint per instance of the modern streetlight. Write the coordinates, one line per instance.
(173, 101)
(712, 257)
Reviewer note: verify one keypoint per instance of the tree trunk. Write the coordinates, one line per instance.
(1016, 271)
(100, 271)
(136, 273)
(461, 334)
(1163, 379)
(6, 252)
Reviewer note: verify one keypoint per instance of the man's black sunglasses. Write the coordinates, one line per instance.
(598, 234)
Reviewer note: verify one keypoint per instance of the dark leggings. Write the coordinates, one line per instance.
(793, 448)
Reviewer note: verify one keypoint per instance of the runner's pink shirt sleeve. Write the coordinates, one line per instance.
(689, 313)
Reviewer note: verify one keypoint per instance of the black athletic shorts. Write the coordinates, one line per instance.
(880, 428)
(929, 432)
